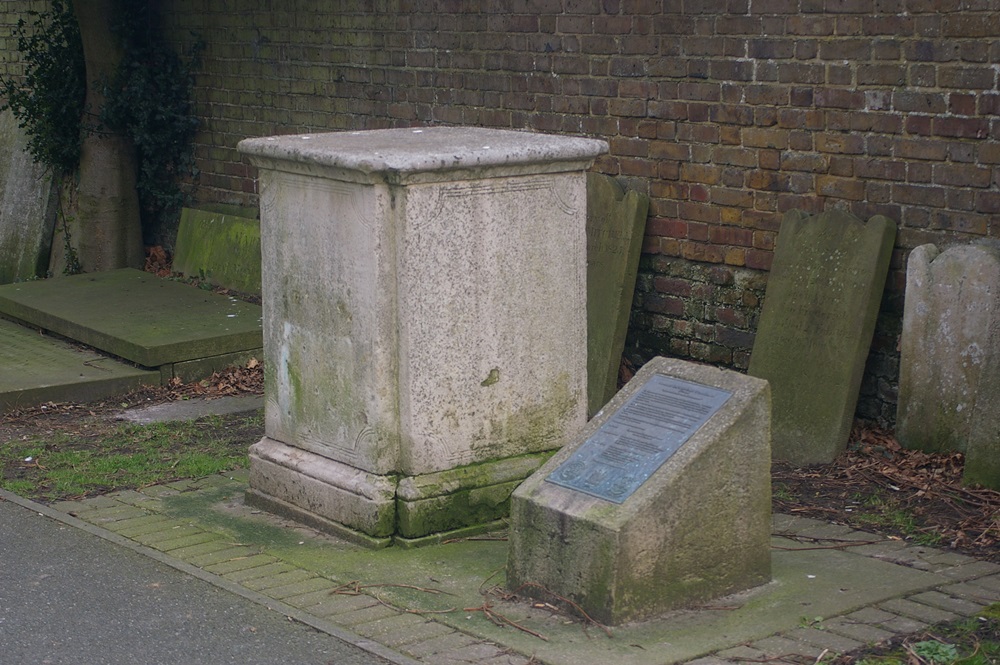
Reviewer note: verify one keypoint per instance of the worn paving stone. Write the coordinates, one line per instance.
(172, 533)
(972, 592)
(129, 525)
(824, 639)
(229, 553)
(176, 546)
(279, 579)
(353, 618)
(918, 611)
(247, 574)
(710, 660)
(382, 630)
(948, 603)
(447, 642)
(336, 603)
(310, 599)
(163, 525)
(742, 653)
(777, 646)
(199, 549)
(416, 632)
(870, 615)
(97, 502)
(159, 491)
(974, 570)
(862, 632)
(242, 563)
(299, 588)
(509, 658)
(904, 625)
(473, 653)
(882, 549)
(114, 514)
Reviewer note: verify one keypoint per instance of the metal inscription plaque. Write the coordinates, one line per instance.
(634, 442)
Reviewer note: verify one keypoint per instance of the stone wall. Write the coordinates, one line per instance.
(726, 112)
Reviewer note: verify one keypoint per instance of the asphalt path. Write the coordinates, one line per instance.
(68, 596)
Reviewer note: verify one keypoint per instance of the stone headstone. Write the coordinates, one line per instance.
(616, 221)
(950, 357)
(423, 327)
(222, 249)
(27, 209)
(816, 327)
(663, 500)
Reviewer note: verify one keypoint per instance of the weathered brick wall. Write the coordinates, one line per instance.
(726, 112)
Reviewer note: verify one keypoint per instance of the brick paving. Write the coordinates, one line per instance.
(971, 586)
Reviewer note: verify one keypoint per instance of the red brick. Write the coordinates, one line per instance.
(966, 128)
(918, 195)
(765, 138)
(846, 144)
(962, 175)
(840, 188)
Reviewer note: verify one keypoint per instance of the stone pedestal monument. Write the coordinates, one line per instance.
(424, 323)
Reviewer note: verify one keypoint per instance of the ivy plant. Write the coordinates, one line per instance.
(49, 102)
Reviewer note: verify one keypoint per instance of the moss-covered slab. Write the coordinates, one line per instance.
(615, 224)
(27, 206)
(35, 369)
(222, 249)
(136, 316)
(816, 327)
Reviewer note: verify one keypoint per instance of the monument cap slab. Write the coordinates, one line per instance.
(816, 328)
(696, 527)
(402, 155)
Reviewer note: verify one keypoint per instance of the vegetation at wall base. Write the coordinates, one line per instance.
(49, 102)
(149, 100)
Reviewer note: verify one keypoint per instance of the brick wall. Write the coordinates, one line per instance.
(726, 112)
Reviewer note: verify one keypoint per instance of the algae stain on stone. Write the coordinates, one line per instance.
(492, 378)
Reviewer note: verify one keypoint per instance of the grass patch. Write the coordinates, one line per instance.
(100, 458)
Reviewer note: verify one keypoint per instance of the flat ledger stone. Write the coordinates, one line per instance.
(136, 316)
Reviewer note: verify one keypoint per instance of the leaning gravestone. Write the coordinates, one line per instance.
(950, 357)
(615, 224)
(661, 502)
(816, 327)
(27, 210)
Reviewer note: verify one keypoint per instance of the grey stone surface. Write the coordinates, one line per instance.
(616, 221)
(404, 270)
(27, 207)
(36, 368)
(816, 326)
(192, 409)
(949, 375)
(223, 250)
(698, 528)
(136, 315)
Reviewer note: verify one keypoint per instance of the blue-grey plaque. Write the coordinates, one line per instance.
(638, 438)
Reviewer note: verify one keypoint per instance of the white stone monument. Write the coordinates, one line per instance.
(424, 323)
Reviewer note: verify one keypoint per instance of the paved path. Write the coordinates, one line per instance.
(187, 573)
(68, 596)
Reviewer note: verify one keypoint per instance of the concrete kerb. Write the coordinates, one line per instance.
(960, 586)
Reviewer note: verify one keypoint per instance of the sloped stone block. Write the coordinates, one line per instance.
(697, 528)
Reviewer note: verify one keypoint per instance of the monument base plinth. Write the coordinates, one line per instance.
(376, 510)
